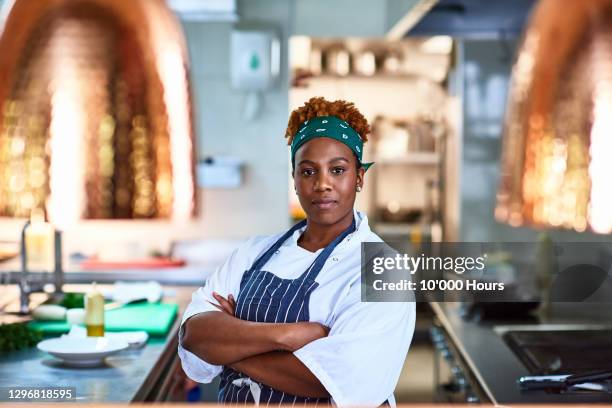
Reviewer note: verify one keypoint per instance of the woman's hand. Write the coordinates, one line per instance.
(225, 305)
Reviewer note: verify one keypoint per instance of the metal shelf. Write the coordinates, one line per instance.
(400, 228)
(419, 158)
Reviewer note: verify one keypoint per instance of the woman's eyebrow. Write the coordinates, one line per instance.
(305, 161)
(330, 161)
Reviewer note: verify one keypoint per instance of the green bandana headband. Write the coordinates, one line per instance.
(332, 127)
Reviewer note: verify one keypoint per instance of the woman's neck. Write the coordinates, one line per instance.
(317, 236)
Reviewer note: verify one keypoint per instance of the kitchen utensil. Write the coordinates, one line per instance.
(594, 376)
(82, 352)
(337, 61)
(605, 386)
(541, 382)
(392, 62)
(394, 144)
(563, 381)
(116, 305)
(365, 63)
(127, 292)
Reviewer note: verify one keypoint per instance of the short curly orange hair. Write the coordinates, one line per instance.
(321, 107)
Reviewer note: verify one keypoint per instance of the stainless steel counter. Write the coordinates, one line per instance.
(491, 363)
(132, 375)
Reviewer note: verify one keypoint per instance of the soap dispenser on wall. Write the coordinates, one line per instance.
(255, 64)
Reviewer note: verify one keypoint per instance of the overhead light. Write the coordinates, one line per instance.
(95, 119)
(557, 143)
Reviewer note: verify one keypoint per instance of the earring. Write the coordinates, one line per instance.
(358, 189)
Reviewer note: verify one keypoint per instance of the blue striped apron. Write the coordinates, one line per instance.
(264, 297)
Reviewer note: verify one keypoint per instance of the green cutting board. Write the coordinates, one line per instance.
(154, 318)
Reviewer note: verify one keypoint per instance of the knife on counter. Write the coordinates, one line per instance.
(116, 305)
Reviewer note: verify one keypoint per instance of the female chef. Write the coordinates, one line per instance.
(282, 320)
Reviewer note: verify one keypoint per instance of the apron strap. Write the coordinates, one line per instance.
(261, 261)
(314, 269)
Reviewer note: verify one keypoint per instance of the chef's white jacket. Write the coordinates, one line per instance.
(360, 361)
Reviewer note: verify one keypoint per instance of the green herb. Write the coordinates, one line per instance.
(16, 336)
(72, 300)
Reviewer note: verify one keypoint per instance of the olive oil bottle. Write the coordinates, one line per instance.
(94, 312)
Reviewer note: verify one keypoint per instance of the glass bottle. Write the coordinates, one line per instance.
(94, 312)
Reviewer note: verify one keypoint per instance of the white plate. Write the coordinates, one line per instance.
(135, 339)
(84, 352)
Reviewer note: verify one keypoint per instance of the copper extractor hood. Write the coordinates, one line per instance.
(557, 146)
(95, 111)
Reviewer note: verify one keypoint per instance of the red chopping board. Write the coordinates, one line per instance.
(94, 263)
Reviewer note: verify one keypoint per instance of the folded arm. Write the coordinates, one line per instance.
(263, 351)
(219, 338)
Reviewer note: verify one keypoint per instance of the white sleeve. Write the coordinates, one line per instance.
(360, 361)
(225, 280)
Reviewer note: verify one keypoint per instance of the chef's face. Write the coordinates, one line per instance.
(326, 177)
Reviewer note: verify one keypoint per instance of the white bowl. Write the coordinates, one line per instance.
(83, 352)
